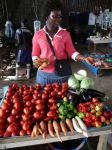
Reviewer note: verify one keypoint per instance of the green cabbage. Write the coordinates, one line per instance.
(87, 83)
(80, 75)
(73, 82)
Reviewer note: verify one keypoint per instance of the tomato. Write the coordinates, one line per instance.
(26, 117)
(13, 127)
(29, 131)
(26, 125)
(44, 96)
(47, 118)
(36, 92)
(40, 107)
(2, 126)
(28, 103)
(7, 101)
(11, 119)
(35, 96)
(40, 101)
(32, 89)
(21, 122)
(14, 86)
(39, 115)
(38, 86)
(26, 110)
(22, 133)
(3, 113)
(94, 100)
(51, 100)
(2, 133)
(7, 134)
(54, 107)
(16, 100)
(18, 105)
(5, 106)
(15, 133)
(25, 87)
(31, 108)
(51, 113)
(14, 111)
(27, 97)
(53, 94)
(2, 120)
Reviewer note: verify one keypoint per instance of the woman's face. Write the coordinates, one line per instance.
(55, 18)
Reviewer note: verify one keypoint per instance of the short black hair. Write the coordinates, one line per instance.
(48, 6)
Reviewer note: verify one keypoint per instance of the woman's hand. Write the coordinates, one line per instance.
(89, 60)
(41, 63)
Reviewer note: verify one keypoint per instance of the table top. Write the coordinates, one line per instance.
(28, 141)
(100, 40)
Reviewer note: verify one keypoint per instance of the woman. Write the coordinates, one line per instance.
(60, 38)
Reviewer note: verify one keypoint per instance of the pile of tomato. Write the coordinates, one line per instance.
(24, 106)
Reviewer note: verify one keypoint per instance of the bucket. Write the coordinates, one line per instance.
(69, 145)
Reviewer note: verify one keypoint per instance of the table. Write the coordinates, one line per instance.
(96, 41)
(27, 141)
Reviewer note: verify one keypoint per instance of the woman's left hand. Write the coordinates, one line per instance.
(89, 60)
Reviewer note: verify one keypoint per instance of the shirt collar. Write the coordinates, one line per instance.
(59, 29)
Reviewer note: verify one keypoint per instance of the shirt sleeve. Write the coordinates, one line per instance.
(35, 46)
(69, 45)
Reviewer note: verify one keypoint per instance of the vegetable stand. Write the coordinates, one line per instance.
(12, 124)
(27, 140)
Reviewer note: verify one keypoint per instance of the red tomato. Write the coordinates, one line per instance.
(22, 133)
(26, 110)
(51, 100)
(40, 101)
(44, 96)
(5, 106)
(3, 113)
(40, 107)
(15, 133)
(94, 100)
(13, 127)
(38, 86)
(32, 88)
(18, 105)
(2, 133)
(51, 113)
(11, 119)
(14, 111)
(26, 125)
(7, 134)
(29, 131)
(26, 117)
(28, 103)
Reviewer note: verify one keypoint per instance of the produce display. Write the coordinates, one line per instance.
(53, 108)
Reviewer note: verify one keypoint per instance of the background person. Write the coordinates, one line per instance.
(23, 38)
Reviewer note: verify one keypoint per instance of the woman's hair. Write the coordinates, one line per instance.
(48, 6)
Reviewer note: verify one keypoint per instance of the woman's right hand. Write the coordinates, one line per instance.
(41, 63)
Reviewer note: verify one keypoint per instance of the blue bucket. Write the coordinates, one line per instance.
(71, 145)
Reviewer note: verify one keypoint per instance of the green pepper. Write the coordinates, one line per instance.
(81, 115)
(70, 107)
(62, 110)
(62, 117)
(70, 115)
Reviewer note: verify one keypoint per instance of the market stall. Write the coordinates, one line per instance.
(33, 115)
